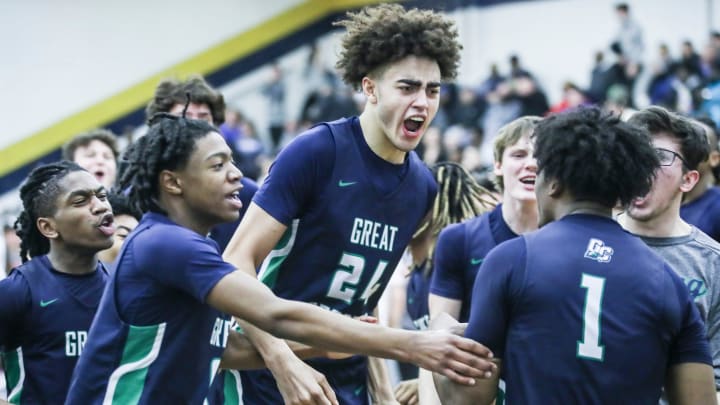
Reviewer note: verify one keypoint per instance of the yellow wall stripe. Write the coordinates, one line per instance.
(119, 105)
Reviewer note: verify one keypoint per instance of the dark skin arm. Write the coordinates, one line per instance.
(449, 392)
(690, 383)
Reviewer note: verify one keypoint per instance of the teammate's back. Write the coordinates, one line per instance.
(593, 298)
(581, 311)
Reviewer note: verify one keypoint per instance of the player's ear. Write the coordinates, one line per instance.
(689, 180)
(555, 189)
(497, 168)
(46, 226)
(170, 182)
(369, 89)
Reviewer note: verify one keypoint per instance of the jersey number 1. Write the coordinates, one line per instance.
(589, 347)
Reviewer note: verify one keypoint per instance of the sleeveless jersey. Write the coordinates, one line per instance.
(341, 251)
(460, 250)
(44, 346)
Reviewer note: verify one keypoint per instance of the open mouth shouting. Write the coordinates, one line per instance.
(412, 126)
(99, 175)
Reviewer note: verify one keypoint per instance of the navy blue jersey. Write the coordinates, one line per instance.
(44, 320)
(417, 297)
(581, 311)
(460, 250)
(704, 213)
(223, 233)
(154, 339)
(350, 215)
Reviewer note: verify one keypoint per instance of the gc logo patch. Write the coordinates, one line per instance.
(596, 250)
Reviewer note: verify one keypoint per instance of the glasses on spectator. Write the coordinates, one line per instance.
(667, 157)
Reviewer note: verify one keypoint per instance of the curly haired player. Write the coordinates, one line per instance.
(342, 201)
(580, 293)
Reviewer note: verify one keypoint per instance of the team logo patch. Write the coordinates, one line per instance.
(596, 250)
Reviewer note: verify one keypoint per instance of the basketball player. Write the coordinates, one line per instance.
(48, 303)
(580, 311)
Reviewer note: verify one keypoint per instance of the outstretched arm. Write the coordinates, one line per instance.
(461, 359)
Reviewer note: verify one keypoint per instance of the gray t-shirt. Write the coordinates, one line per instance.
(696, 258)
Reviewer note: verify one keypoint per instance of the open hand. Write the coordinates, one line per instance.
(458, 358)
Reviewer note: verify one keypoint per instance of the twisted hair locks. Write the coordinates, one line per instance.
(459, 198)
(167, 146)
(39, 195)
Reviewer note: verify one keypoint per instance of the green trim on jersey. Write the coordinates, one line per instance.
(14, 374)
(127, 382)
(232, 389)
(270, 267)
(500, 396)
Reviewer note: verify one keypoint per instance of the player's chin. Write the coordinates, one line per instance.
(639, 213)
(407, 144)
(229, 216)
(102, 244)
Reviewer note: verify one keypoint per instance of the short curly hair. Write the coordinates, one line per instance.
(387, 33)
(596, 156)
(173, 91)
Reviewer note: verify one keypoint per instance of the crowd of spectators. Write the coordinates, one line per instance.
(471, 114)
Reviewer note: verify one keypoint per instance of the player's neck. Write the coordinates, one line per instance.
(585, 207)
(520, 216)
(182, 215)
(72, 261)
(376, 138)
(666, 225)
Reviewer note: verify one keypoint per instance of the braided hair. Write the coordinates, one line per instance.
(167, 146)
(39, 196)
(459, 198)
